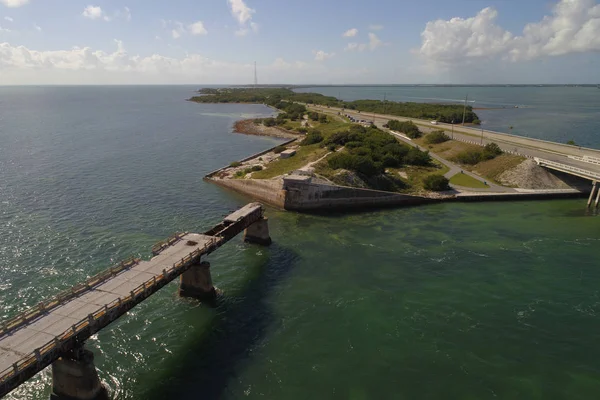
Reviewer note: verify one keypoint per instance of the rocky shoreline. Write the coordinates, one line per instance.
(248, 127)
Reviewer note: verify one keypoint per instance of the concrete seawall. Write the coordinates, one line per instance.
(269, 191)
(303, 195)
(299, 194)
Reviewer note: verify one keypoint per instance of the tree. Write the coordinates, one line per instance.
(312, 137)
(437, 137)
(436, 183)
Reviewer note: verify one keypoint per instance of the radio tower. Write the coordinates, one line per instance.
(255, 76)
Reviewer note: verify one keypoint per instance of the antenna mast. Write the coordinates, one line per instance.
(255, 76)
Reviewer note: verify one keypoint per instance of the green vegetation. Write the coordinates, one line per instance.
(467, 181)
(436, 137)
(248, 170)
(572, 142)
(276, 97)
(408, 128)
(369, 151)
(278, 149)
(438, 112)
(472, 157)
(304, 155)
(235, 164)
(436, 183)
(312, 137)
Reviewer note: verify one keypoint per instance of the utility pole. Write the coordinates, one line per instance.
(482, 135)
(452, 129)
(384, 102)
(465, 109)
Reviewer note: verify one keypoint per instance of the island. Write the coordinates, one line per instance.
(344, 155)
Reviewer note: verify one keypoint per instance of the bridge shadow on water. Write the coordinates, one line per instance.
(211, 361)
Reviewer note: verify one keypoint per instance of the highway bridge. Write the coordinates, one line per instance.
(54, 331)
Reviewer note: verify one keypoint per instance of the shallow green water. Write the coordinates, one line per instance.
(450, 301)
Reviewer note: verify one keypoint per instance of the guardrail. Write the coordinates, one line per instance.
(568, 168)
(97, 320)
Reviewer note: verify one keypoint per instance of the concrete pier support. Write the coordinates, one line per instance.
(597, 198)
(258, 232)
(196, 282)
(75, 378)
(589, 203)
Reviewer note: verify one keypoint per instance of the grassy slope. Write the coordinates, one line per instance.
(304, 155)
(489, 169)
(467, 181)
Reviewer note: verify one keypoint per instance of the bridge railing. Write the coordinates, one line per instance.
(95, 319)
(565, 167)
(160, 246)
(64, 296)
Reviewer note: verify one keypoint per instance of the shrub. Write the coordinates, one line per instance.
(314, 116)
(436, 137)
(258, 121)
(323, 118)
(269, 122)
(278, 149)
(469, 157)
(408, 128)
(256, 168)
(302, 129)
(312, 137)
(235, 164)
(572, 142)
(476, 121)
(436, 183)
(417, 157)
(331, 147)
(491, 150)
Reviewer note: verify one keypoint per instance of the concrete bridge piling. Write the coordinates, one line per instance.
(74, 377)
(196, 282)
(589, 203)
(258, 232)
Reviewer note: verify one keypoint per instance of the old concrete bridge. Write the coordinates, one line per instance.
(54, 331)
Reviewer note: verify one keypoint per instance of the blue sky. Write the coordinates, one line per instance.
(324, 41)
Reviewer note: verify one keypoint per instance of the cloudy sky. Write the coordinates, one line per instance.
(309, 41)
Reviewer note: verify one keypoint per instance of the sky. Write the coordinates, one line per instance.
(299, 42)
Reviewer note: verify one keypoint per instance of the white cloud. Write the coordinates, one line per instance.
(374, 43)
(243, 15)
(573, 27)
(197, 28)
(322, 56)
(92, 12)
(376, 27)
(175, 34)
(6, 30)
(9, 19)
(84, 65)
(96, 12)
(14, 3)
(37, 27)
(350, 32)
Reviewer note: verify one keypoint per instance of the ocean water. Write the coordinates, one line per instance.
(449, 301)
(558, 114)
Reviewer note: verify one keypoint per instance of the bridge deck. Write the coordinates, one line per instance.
(30, 343)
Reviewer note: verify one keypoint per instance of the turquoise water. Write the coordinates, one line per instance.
(450, 301)
(557, 114)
